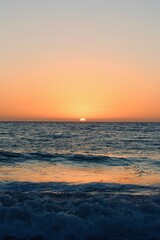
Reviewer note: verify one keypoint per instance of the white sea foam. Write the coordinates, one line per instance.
(86, 211)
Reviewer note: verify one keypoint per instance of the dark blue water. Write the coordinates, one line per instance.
(115, 139)
(79, 181)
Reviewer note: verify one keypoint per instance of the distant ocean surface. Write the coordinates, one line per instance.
(79, 181)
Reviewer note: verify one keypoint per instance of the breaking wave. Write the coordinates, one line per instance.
(86, 211)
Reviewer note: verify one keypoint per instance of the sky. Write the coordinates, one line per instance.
(67, 59)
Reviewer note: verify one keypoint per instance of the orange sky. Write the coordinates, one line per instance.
(75, 62)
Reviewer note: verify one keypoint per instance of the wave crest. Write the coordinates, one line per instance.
(11, 157)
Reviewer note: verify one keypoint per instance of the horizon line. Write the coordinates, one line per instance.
(78, 120)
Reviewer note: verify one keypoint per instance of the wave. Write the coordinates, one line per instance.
(11, 157)
(91, 160)
(95, 211)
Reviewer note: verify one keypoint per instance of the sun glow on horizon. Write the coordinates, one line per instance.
(82, 119)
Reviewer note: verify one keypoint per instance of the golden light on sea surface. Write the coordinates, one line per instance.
(82, 119)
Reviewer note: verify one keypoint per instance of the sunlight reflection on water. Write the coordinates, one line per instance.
(45, 172)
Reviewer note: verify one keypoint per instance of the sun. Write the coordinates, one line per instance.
(82, 119)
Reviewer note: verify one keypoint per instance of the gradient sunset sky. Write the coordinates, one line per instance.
(67, 59)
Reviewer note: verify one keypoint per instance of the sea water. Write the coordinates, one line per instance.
(79, 180)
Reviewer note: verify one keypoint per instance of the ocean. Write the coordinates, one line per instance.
(79, 181)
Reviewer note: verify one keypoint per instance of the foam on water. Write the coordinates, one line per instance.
(86, 211)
